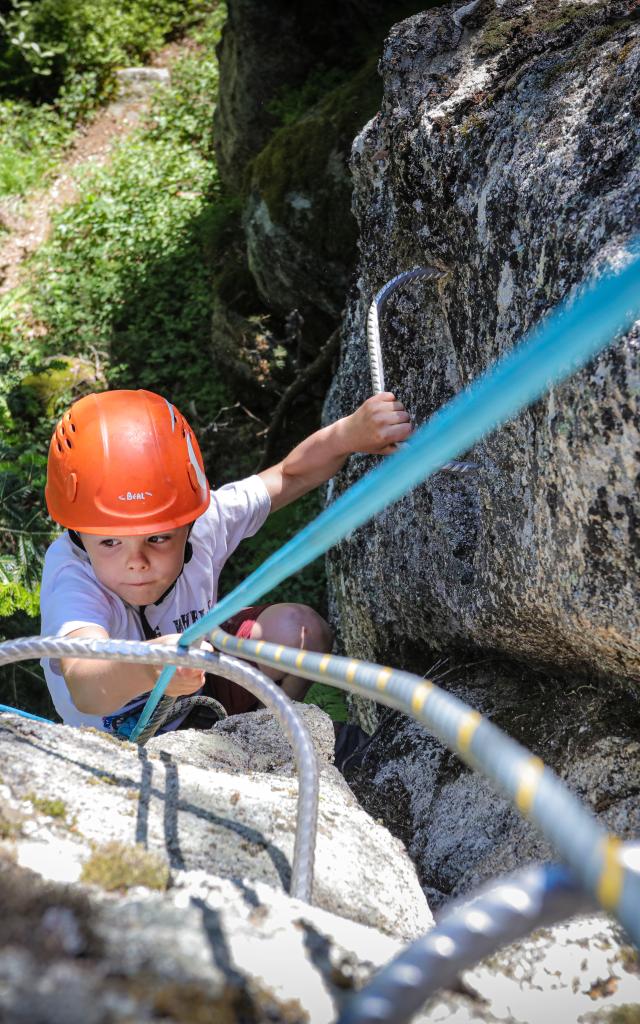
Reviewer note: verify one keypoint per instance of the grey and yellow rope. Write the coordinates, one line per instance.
(598, 859)
(245, 675)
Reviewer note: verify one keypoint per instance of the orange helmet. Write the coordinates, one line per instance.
(124, 462)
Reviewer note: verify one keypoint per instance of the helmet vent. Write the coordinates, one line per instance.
(69, 445)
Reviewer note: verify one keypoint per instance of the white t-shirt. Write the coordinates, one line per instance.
(72, 597)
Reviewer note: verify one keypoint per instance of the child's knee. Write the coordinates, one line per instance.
(294, 625)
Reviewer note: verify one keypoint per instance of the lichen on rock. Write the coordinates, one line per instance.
(511, 164)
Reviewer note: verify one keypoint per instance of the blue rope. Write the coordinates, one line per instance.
(581, 326)
(25, 714)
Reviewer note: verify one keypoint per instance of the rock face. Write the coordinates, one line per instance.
(78, 805)
(295, 88)
(458, 831)
(213, 949)
(301, 236)
(267, 48)
(97, 930)
(506, 154)
(510, 160)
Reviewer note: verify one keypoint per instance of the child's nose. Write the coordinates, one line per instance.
(137, 558)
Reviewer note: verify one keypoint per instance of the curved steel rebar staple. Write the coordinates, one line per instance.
(598, 859)
(248, 677)
(501, 912)
(582, 325)
(375, 347)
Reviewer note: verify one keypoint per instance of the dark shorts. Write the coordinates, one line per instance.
(235, 699)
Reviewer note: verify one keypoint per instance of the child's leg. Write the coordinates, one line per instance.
(294, 625)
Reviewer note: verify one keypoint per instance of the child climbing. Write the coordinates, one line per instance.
(145, 541)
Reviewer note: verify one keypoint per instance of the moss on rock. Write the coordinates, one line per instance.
(121, 866)
(309, 159)
(544, 17)
(52, 808)
(61, 380)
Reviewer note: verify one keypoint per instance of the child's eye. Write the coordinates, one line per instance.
(158, 538)
(109, 542)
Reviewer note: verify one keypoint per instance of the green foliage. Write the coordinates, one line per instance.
(65, 52)
(24, 533)
(24, 529)
(32, 139)
(332, 701)
(49, 43)
(126, 272)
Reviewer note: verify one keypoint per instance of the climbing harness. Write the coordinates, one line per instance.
(239, 672)
(607, 868)
(375, 347)
(167, 711)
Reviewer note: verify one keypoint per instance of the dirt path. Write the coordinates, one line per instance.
(28, 218)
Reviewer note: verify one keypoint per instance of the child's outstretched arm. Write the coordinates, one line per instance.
(376, 427)
(101, 687)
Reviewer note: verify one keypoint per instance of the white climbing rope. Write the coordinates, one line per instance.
(245, 675)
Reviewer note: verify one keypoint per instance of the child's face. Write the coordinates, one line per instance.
(137, 569)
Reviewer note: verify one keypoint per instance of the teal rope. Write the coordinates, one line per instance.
(579, 328)
(24, 714)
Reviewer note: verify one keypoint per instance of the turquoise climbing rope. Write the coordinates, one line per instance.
(580, 327)
(24, 714)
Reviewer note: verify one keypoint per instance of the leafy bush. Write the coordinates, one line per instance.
(32, 138)
(24, 529)
(126, 272)
(57, 59)
(47, 43)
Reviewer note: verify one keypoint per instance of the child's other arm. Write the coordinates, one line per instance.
(375, 428)
(101, 687)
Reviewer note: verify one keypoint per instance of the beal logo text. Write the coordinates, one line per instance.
(135, 496)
